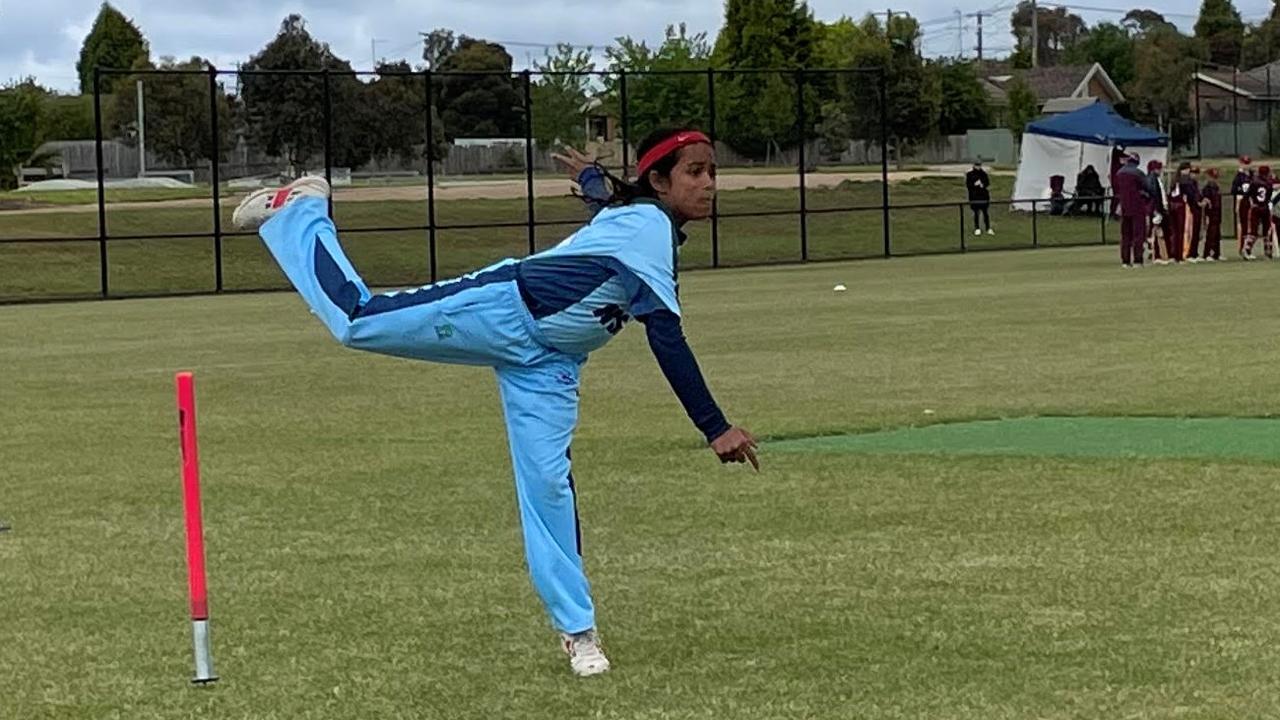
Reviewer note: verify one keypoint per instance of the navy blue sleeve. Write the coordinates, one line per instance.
(669, 346)
(595, 189)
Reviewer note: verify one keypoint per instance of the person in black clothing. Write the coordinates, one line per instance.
(979, 186)
(1089, 192)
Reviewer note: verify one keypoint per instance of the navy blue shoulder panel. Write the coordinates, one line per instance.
(551, 284)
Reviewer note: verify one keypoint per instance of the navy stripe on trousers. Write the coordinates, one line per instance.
(573, 490)
(346, 294)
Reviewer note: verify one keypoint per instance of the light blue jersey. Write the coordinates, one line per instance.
(583, 291)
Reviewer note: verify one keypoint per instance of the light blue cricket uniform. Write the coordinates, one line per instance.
(534, 321)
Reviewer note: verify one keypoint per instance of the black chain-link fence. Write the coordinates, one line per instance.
(1233, 113)
(437, 173)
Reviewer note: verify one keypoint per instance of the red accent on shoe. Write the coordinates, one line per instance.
(278, 200)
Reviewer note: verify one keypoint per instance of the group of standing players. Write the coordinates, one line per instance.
(1166, 220)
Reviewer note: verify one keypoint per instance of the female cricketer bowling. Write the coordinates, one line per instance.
(534, 321)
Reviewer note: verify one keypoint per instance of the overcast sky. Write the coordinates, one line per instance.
(43, 37)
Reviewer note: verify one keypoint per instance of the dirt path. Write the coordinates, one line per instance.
(507, 189)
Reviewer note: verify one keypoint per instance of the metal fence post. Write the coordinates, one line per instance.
(963, 241)
(1235, 111)
(328, 136)
(102, 197)
(1199, 135)
(215, 160)
(1103, 217)
(431, 177)
(1271, 142)
(1035, 230)
(801, 123)
(528, 157)
(715, 201)
(622, 118)
(884, 158)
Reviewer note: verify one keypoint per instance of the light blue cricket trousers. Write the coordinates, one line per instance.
(478, 319)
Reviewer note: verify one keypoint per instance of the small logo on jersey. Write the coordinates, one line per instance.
(444, 331)
(612, 318)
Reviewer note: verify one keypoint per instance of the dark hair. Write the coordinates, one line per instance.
(626, 192)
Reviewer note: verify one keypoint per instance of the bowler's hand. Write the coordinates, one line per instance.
(574, 161)
(736, 445)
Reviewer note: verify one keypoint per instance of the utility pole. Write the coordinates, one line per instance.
(960, 33)
(1035, 35)
(979, 37)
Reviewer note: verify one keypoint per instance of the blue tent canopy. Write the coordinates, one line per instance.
(1099, 124)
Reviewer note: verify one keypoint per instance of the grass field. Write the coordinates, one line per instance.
(364, 556)
(402, 257)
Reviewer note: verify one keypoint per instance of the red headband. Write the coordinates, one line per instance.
(668, 146)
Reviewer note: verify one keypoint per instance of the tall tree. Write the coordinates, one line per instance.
(285, 114)
(1165, 62)
(1058, 30)
(483, 105)
(1222, 31)
(757, 111)
(1262, 41)
(66, 117)
(1109, 45)
(560, 94)
(20, 113)
(1140, 22)
(177, 123)
(113, 42)
(1024, 106)
(437, 46)
(395, 102)
(964, 103)
(914, 95)
(656, 96)
(844, 112)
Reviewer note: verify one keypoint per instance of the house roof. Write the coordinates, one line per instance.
(1259, 83)
(1067, 104)
(1261, 73)
(1245, 84)
(1061, 81)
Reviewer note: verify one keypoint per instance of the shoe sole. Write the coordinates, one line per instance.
(591, 672)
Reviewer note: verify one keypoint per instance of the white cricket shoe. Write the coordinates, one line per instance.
(586, 657)
(262, 204)
(990, 231)
(977, 231)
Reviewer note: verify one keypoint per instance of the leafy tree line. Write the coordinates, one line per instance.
(383, 116)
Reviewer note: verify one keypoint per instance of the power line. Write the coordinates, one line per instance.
(517, 43)
(937, 21)
(1120, 11)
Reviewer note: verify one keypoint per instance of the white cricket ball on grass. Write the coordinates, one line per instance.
(839, 288)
